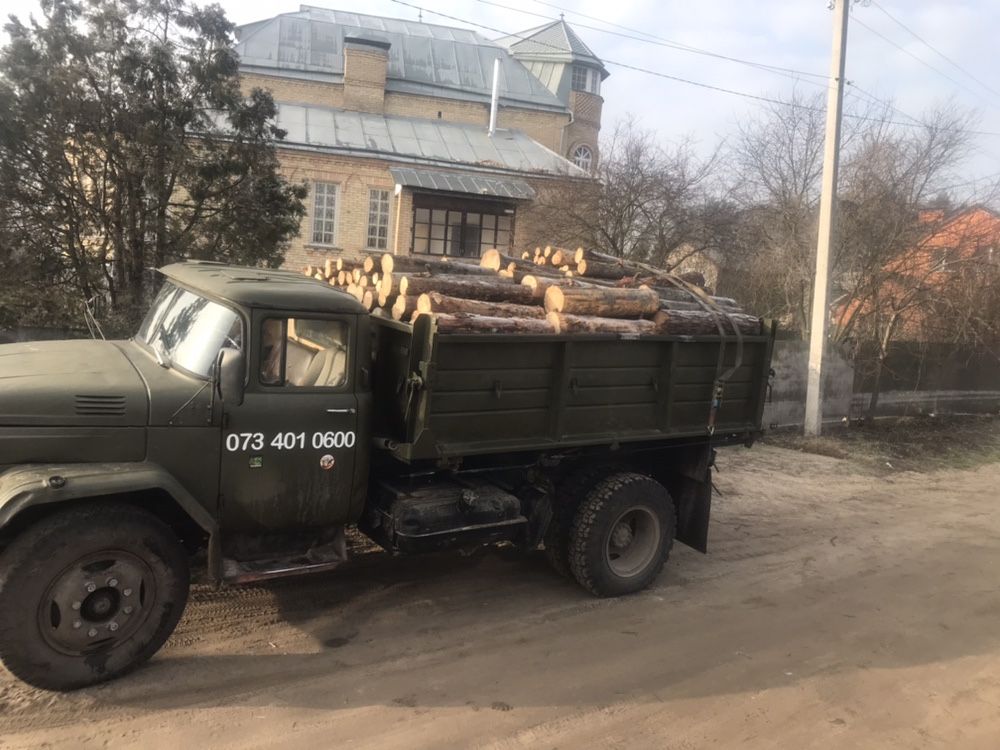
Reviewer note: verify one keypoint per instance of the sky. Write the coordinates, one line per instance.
(884, 59)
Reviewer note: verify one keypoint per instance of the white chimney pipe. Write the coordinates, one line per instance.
(494, 101)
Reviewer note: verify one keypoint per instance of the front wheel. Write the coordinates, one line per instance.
(622, 534)
(88, 594)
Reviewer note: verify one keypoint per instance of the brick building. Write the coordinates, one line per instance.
(387, 122)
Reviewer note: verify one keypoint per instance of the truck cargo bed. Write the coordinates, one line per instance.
(456, 395)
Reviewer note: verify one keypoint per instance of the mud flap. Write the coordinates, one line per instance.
(689, 482)
(693, 512)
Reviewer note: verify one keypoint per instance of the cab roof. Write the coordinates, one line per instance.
(262, 287)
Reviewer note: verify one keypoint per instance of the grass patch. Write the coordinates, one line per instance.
(920, 444)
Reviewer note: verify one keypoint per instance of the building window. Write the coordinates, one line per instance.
(378, 219)
(583, 157)
(586, 79)
(461, 228)
(324, 217)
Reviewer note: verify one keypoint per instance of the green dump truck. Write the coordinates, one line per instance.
(256, 414)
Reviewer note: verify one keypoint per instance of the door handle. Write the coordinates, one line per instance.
(341, 411)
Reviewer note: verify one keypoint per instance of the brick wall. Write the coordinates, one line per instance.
(586, 125)
(364, 77)
(354, 178)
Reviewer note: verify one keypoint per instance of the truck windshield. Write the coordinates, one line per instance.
(188, 330)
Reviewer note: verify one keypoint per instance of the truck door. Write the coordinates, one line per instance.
(288, 451)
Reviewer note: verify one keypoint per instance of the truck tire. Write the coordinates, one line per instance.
(89, 594)
(569, 494)
(622, 534)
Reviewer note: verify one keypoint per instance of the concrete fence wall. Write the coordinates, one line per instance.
(787, 404)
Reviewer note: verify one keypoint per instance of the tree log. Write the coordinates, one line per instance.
(605, 303)
(539, 284)
(368, 299)
(434, 302)
(493, 289)
(409, 264)
(693, 322)
(403, 307)
(466, 323)
(600, 269)
(590, 324)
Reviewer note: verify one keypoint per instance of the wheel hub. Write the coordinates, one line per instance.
(96, 603)
(633, 542)
(622, 535)
(102, 605)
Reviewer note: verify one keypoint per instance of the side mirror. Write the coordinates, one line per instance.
(230, 370)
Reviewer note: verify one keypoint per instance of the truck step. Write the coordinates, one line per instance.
(237, 571)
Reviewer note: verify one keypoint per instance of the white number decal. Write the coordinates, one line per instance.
(288, 441)
(241, 441)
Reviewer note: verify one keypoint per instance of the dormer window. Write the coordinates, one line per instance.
(586, 79)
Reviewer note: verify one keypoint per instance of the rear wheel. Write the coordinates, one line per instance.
(622, 534)
(88, 594)
(569, 494)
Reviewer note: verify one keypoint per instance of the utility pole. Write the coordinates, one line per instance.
(827, 211)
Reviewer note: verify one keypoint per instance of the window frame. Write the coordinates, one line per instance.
(465, 207)
(388, 219)
(334, 221)
(590, 157)
(349, 323)
(579, 70)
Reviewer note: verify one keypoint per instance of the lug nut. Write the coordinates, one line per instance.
(92, 632)
(77, 624)
(127, 610)
(127, 592)
(112, 626)
(91, 588)
(112, 582)
(76, 605)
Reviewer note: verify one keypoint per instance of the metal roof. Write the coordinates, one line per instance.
(422, 57)
(472, 184)
(551, 41)
(428, 142)
(262, 287)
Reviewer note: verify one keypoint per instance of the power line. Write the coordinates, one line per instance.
(916, 57)
(659, 41)
(679, 79)
(934, 49)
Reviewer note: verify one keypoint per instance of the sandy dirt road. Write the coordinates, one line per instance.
(836, 609)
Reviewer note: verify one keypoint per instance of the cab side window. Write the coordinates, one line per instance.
(304, 352)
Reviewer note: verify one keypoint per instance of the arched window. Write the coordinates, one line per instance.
(583, 157)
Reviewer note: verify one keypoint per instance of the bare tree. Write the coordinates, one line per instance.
(650, 202)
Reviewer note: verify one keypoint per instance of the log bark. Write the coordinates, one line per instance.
(435, 302)
(409, 264)
(539, 284)
(589, 324)
(693, 322)
(604, 303)
(465, 323)
(493, 289)
(600, 269)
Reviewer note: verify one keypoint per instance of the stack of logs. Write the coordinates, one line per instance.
(552, 290)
